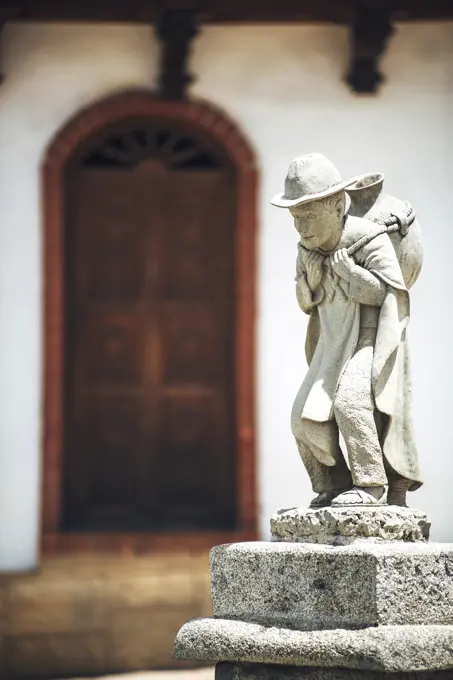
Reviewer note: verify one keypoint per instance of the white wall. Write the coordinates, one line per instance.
(284, 87)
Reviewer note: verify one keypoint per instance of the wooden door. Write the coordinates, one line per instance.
(149, 356)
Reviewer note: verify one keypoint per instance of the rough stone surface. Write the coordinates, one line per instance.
(342, 526)
(390, 649)
(236, 671)
(314, 587)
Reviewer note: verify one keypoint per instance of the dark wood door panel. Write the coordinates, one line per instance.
(112, 351)
(197, 450)
(190, 344)
(198, 235)
(111, 245)
(149, 362)
(103, 474)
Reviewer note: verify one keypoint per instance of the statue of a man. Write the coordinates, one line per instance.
(358, 382)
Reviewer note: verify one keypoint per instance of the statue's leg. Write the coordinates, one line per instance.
(398, 485)
(323, 436)
(354, 412)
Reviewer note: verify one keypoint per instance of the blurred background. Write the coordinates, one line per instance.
(150, 341)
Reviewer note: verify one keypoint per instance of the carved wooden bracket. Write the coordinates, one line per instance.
(370, 32)
(176, 30)
(7, 13)
(4, 17)
(2, 26)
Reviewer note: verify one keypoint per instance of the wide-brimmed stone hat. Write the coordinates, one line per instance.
(309, 178)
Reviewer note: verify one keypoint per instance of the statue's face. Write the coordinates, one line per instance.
(318, 222)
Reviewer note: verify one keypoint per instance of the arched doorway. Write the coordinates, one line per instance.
(150, 232)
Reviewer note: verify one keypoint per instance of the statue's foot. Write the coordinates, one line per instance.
(397, 496)
(322, 500)
(325, 498)
(369, 495)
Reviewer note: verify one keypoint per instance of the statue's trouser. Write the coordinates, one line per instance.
(354, 412)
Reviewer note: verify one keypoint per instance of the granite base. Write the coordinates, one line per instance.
(387, 649)
(317, 587)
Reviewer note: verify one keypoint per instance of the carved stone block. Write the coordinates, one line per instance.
(315, 587)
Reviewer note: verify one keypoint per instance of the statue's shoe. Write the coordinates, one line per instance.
(322, 500)
(358, 496)
(325, 498)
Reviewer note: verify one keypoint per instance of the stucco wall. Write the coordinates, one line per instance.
(283, 85)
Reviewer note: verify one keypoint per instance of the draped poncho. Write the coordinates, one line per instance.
(332, 337)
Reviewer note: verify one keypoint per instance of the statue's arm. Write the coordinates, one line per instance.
(366, 288)
(376, 269)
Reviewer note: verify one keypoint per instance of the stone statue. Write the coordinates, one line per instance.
(349, 588)
(359, 253)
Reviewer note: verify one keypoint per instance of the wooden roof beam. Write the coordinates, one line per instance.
(219, 11)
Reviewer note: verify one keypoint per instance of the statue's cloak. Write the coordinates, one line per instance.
(332, 336)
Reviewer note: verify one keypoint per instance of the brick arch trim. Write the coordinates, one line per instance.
(202, 117)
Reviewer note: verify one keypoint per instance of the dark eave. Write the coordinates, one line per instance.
(371, 24)
(219, 11)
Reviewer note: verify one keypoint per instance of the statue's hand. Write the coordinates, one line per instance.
(314, 265)
(303, 294)
(342, 264)
(305, 297)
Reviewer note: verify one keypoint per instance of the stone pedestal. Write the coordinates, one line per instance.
(342, 526)
(235, 671)
(339, 594)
